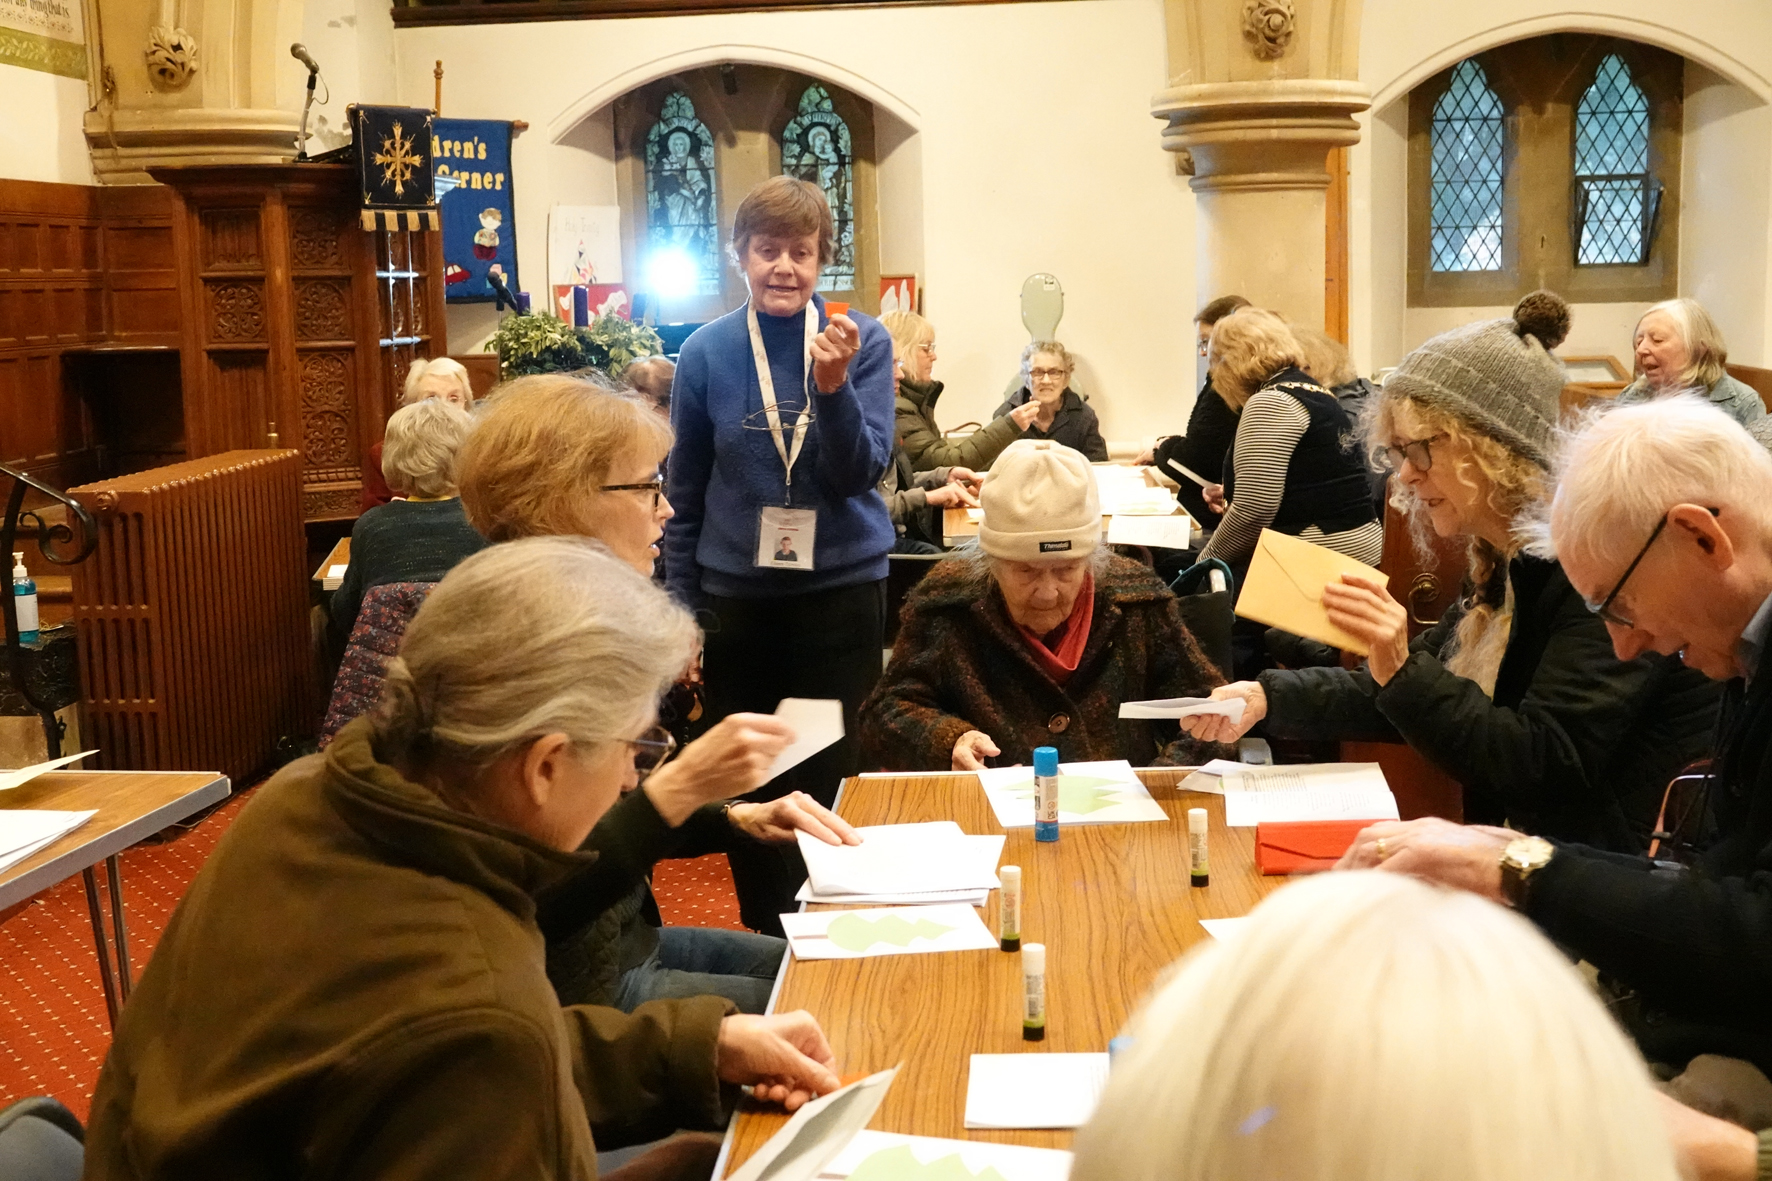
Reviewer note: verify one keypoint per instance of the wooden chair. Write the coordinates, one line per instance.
(1759, 380)
(1426, 584)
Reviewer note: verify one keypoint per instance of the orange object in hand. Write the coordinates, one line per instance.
(832, 308)
(1303, 846)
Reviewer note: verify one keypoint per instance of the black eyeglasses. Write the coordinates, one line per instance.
(652, 750)
(1417, 451)
(1603, 608)
(656, 486)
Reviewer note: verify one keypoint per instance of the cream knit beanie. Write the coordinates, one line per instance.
(1040, 502)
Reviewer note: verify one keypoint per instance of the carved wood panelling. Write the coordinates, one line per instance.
(315, 238)
(236, 312)
(322, 309)
(320, 504)
(230, 240)
(327, 407)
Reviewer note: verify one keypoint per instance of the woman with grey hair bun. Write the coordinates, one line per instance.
(357, 965)
(1034, 638)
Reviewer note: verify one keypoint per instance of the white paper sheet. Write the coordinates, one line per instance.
(891, 1156)
(817, 724)
(1223, 929)
(903, 858)
(1183, 707)
(1246, 809)
(1106, 792)
(25, 831)
(925, 898)
(23, 775)
(1034, 1090)
(817, 1132)
(890, 930)
(1174, 531)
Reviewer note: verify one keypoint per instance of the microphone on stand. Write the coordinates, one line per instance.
(300, 53)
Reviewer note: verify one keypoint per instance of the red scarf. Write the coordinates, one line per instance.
(1072, 635)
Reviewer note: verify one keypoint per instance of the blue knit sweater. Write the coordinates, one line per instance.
(722, 473)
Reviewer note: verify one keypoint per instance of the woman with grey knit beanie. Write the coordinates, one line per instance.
(1516, 692)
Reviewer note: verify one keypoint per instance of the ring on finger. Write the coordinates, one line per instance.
(1382, 854)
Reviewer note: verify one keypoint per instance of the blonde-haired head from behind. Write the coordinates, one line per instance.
(1249, 346)
(1368, 1027)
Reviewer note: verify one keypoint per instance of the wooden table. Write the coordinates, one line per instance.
(340, 555)
(131, 805)
(1112, 904)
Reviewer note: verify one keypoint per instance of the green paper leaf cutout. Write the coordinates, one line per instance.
(851, 932)
(1080, 794)
(900, 1164)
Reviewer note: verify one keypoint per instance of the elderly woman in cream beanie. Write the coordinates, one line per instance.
(1034, 638)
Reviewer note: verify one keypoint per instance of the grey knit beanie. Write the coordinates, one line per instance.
(1495, 377)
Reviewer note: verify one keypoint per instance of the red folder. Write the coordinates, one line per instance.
(1303, 846)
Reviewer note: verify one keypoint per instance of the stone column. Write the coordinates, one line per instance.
(1264, 91)
(193, 82)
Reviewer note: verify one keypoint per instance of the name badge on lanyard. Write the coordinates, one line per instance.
(785, 535)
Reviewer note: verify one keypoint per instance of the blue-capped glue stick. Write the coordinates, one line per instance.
(1045, 793)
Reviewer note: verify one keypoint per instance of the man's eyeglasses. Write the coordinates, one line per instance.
(1047, 374)
(656, 486)
(652, 750)
(1603, 608)
(1417, 451)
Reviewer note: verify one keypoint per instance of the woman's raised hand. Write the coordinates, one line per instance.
(971, 749)
(831, 353)
(1025, 413)
(729, 760)
(1364, 609)
(776, 821)
(1217, 727)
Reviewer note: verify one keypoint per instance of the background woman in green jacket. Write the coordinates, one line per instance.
(353, 986)
(924, 446)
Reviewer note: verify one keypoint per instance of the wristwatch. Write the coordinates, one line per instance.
(1523, 857)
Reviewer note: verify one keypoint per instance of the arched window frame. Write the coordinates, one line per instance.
(832, 168)
(669, 172)
(1468, 149)
(1616, 197)
(1539, 82)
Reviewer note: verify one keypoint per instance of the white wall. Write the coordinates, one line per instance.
(1013, 139)
(1727, 156)
(353, 40)
(41, 137)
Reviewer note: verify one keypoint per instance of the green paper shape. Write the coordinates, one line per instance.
(1081, 794)
(901, 1164)
(851, 932)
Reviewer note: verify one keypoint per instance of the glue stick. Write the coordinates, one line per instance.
(1198, 867)
(1045, 793)
(1009, 908)
(1033, 992)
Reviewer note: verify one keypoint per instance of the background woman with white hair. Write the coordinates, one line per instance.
(1367, 1027)
(1060, 413)
(1679, 348)
(443, 378)
(423, 534)
(1516, 693)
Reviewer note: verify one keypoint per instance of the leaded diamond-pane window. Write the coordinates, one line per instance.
(1468, 137)
(815, 146)
(1615, 194)
(680, 211)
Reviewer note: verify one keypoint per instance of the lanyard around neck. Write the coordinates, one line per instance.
(766, 381)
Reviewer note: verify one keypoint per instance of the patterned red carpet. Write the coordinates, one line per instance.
(53, 1031)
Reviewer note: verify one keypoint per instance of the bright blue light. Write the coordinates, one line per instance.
(672, 274)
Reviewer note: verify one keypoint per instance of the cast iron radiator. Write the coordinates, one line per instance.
(193, 615)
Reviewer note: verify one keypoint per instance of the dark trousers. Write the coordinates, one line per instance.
(824, 644)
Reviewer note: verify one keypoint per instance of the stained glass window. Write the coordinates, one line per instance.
(1468, 137)
(1615, 194)
(680, 207)
(815, 146)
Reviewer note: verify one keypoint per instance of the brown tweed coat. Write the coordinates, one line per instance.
(960, 664)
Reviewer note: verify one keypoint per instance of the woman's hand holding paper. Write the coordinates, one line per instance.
(776, 821)
(971, 749)
(1218, 727)
(784, 1058)
(729, 760)
(1364, 609)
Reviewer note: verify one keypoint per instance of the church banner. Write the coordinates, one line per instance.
(393, 150)
(472, 158)
(47, 35)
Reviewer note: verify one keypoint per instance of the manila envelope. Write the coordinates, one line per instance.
(1284, 587)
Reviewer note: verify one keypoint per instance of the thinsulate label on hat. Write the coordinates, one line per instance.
(1053, 547)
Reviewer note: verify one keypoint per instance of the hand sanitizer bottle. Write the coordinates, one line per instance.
(24, 597)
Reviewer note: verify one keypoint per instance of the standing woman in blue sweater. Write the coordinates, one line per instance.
(783, 416)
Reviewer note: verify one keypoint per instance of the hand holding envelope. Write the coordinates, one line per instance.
(1285, 584)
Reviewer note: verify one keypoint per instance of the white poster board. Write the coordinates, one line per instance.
(584, 244)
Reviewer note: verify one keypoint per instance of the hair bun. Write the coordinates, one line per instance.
(1543, 314)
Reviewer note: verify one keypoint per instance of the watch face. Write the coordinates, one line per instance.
(1529, 853)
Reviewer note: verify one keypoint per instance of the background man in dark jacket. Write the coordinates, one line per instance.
(1211, 428)
(1661, 521)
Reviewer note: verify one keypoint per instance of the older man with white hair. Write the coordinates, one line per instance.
(1662, 519)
